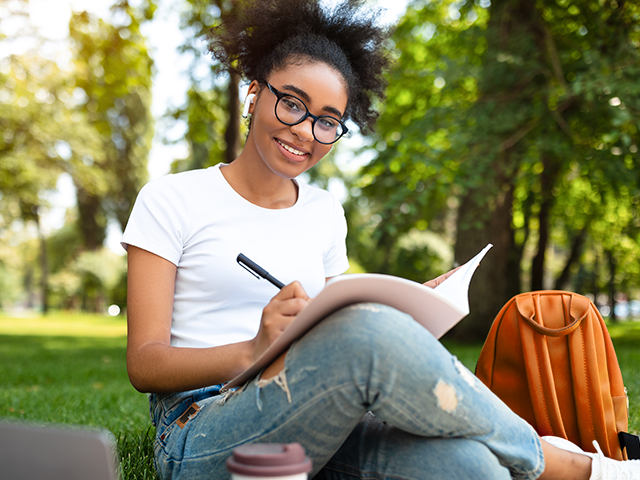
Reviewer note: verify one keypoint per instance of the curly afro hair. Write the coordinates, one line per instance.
(260, 36)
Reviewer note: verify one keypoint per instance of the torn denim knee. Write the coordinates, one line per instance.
(280, 379)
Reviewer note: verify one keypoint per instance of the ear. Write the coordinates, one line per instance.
(250, 99)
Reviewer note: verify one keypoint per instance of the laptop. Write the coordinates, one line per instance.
(30, 452)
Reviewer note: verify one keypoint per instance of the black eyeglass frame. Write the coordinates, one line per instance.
(280, 95)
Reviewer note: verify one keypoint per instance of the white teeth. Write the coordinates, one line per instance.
(290, 149)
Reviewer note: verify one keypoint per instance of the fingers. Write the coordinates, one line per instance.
(438, 280)
(433, 283)
(289, 301)
(279, 313)
(293, 290)
(451, 272)
(288, 307)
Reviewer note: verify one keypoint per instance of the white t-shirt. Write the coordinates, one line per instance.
(199, 223)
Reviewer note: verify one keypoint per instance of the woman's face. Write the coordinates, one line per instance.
(288, 150)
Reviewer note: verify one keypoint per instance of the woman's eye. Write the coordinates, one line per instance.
(291, 104)
(328, 123)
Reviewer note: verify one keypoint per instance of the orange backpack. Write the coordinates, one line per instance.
(550, 358)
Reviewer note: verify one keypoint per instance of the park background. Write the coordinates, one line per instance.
(513, 122)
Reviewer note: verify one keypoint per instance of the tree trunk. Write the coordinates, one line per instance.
(594, 275)
(547, 179)
(92, 221)
(479, 224)
(537, 266)
(129, 184)
(232, 133)
(574, 255)
(44, 268)
(514, 283)
(612, 284)
(28, 287)
(485, 213)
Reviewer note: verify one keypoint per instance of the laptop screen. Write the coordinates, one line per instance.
(56, 453)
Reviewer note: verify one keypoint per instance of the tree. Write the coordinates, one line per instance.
(492, 109)
(212, 111)
(38, 123)
(113, 76)
(56, 120)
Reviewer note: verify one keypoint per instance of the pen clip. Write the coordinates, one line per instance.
(248, 269)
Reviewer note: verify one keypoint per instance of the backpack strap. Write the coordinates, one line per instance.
(578, 311)
(538, 371)
(631, 443)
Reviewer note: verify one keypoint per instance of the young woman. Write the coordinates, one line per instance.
(368, 392)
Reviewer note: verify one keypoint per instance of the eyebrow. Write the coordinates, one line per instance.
(306, 98)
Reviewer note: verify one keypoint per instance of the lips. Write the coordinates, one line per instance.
(291, 150)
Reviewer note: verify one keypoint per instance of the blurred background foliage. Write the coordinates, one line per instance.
(513, 122)
(91, 121)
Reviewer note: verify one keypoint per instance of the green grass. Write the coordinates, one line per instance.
(626, 339)
(68, 324)
(70, 369)
(63, 378)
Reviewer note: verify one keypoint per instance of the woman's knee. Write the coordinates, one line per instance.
(380, 327)
(367, 345)
(370, 336)
(369, 322)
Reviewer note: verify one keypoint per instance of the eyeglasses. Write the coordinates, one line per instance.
(291, 110)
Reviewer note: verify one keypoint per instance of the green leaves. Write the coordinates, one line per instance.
(212, 112)
(532, 103)
(114, 77)
(91, 120)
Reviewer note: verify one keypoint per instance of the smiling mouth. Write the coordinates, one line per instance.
(291, 149)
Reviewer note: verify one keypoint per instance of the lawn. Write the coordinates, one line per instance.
(70, 369)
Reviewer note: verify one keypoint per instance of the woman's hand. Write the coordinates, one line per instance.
(279, 313)
(438, 280)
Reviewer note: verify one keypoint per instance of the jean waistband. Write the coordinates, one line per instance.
(172, 405)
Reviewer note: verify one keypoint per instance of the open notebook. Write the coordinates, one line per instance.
(437, 309)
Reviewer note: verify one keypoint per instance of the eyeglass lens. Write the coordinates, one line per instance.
(290, 110)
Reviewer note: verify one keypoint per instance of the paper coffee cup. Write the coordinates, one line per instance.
(272, 461)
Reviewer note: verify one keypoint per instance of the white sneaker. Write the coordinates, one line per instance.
(604, 468)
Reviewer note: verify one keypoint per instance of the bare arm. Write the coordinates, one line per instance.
(154, 365)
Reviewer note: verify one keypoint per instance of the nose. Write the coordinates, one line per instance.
(303, 130)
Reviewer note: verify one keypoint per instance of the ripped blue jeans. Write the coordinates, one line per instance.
(369, 393)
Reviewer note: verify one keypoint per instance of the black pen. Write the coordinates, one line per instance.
(257, 271)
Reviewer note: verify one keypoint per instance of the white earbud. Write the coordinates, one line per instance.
(247, 103)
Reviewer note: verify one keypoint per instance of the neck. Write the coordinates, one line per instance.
(253, 180)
